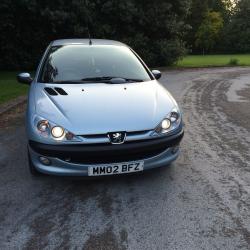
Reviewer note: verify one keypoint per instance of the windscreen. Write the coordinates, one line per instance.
(77, 62)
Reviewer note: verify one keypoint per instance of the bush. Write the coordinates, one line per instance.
(233, 62)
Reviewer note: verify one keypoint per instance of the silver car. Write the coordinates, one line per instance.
(95, 108)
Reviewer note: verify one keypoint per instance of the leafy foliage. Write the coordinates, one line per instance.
(233, 62)
(159, 31)
(199, 11)
(237, 32)
(209, 30)
(154, 30)
(233, 37)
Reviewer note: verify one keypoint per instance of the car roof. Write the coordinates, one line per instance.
(85, 41)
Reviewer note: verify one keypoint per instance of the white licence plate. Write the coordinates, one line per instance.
(119, 168)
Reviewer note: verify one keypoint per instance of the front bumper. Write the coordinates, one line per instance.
(74, 160)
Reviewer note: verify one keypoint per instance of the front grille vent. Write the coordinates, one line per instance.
(55, 91)
(50, 91)
(61, 91)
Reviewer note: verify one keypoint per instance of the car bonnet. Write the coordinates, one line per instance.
(100, 108)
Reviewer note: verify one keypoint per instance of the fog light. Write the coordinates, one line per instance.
(44, 160)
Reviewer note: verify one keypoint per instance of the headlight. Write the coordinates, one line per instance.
(165, 124)
(169, 123)
(49, 130)
(43, 126)
(174, 116)
(57, 132)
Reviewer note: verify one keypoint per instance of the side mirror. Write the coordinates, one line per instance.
(24, 78)
(157, 74)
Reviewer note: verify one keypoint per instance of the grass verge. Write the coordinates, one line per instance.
(214, 61)
(9, 87)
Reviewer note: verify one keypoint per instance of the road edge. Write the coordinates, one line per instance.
(5, 107)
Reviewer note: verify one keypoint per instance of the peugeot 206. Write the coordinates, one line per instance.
(95, 108)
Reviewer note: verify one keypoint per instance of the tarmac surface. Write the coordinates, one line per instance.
(202, 201)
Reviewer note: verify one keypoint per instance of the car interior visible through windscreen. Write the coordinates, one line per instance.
(76, 63)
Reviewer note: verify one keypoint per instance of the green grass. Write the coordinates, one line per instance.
(9, 87)
(214, 61)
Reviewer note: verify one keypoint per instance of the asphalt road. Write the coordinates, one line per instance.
(201, 202)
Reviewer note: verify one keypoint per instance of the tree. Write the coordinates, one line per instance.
(155, 31)
(209, 31)
(199, 10)
(221, 6)
(237, 32)
(197, 13)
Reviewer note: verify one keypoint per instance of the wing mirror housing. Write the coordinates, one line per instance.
(24, 78)
(156, 73)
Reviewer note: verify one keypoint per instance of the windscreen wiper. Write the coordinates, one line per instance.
(104, 79)
(111, 79)
(133, 80)
(99, 78)
(84, 80)
(68, 81)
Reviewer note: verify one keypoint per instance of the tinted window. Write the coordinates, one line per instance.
(75, 62)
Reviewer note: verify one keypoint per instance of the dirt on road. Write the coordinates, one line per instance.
(202, 201)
